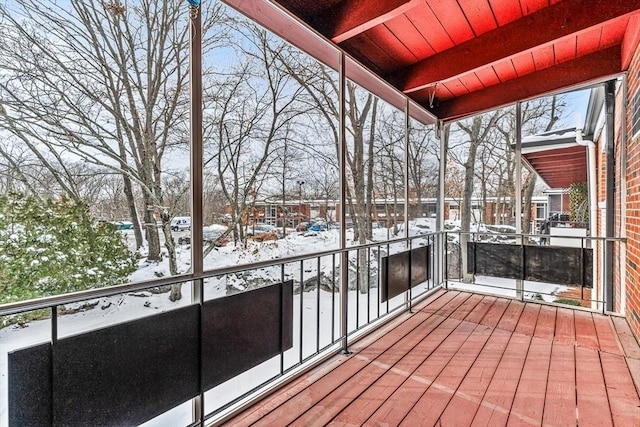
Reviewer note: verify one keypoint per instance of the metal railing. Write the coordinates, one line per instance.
(578, 294)
(320, 326)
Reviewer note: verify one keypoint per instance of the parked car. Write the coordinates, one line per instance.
(255, 230)
(123, 225)
(318, 226)
(208, 236)
(181, 223)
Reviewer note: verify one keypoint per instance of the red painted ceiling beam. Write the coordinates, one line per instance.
(352, 17)
(553, 22)
(584, 69)
(630, 41)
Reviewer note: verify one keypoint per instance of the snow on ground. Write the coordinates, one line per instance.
(507, 287)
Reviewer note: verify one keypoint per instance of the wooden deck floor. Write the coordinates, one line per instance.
(471, 360)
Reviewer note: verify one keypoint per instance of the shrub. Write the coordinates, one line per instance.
(54, 247)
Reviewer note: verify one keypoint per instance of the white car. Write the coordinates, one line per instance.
(181, 223)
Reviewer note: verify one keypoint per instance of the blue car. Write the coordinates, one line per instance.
(318, 226)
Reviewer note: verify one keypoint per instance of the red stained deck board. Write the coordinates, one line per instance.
(496, 403)
(467, 307)
(393, 411)
(623, 396)
(396, 374)
(528, 403)
(585, 330)
(464, 404)
(432, 332)
(593, 405)
(607, 338)
(565, 329)
(495, 313)
(481, 310)
(450, 365)
(546, 324)
(628, 341)
(511, 316)
(433, 402)
(560, 398)
(528, 319)
(397, 367)
(305, 398)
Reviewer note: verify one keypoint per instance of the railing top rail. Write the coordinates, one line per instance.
(522, 235)
(75, 297)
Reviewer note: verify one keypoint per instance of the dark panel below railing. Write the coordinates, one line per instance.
(496, 260)
(131, 372)
(128, 373)
(395, 275)
(30, 386)
(420, 257)
(243, 330)
(404, 270)
(550, 264)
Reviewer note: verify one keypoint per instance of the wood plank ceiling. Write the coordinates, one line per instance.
(460, 57)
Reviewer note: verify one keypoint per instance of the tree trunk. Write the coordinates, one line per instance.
(153, 240)
(528, 195)
(465, 215)
(133, 213)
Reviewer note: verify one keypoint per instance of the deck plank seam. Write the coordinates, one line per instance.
(441, 317)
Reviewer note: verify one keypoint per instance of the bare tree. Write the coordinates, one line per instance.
(107, 82)
(476, 130)
(251, 114)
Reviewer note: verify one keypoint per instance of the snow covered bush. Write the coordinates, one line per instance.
(54, 247)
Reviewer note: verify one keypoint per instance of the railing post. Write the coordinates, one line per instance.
(445, 248)
(344, 290)
(518, 182)
(196, 165)
(344, 255)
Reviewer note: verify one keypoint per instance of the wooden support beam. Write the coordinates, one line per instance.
(587, 68)
(537, 29)
(352, 17)
(630, 41)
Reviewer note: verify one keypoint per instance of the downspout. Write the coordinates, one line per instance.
(591, 161)
(609, 102)
(593, 198)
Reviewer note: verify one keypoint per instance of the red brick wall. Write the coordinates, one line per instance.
(632, 172)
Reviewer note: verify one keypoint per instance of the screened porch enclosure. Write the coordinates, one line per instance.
(380, 310)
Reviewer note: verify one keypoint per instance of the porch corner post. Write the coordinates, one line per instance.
(196, 165)
(406, 191)
(442, 136)
(518, 185)
(344, 256)
(609, 101)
